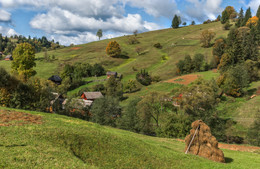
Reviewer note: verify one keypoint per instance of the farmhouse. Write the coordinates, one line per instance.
(91, 95)
(110, 74)
(55, 79)
(9, 57)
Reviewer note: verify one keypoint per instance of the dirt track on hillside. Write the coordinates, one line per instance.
(185, 79)
(234, 147)
(10, 118)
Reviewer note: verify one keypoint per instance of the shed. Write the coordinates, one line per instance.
(91, 95)
(110, 74)
(55, 79)
(9, 57)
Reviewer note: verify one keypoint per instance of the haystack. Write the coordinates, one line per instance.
(203, 143)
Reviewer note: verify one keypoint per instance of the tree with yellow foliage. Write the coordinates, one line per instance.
(252, 21)
(113, 49)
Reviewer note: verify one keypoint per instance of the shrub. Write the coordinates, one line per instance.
(113, 49)
(132, 40)
(156, 79)
(158, 45)
(227, 25)
(144, 78)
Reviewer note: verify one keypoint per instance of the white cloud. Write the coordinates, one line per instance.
(157, 8)
(4, 16)
(60, 21)
(7, 31)
(203, 9)
(254, 4)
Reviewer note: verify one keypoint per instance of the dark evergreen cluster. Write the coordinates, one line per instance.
(144, 78)
(8, 44)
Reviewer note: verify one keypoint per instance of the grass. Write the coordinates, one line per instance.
(63, 142)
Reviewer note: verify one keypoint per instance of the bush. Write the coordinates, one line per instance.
(253, 133)
(177, 126)
(98, 70)
(144, 78)
(132, 40)
(156, 79)
(227, 25)
(158, 45)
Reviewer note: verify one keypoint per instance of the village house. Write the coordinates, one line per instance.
(110, 74)
(56, 79)
(91, 95)
(9, 58)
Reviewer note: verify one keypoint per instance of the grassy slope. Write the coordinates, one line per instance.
(63, 142)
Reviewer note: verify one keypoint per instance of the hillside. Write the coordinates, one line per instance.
(54, 141)
(176, 43)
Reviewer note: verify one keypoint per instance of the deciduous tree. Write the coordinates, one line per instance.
(113, 49)
(24, 60)
(206, 37)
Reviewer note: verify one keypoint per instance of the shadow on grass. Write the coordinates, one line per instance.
(228, 160)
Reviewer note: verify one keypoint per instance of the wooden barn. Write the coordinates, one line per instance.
(9, 58)
(110, 74)
(91, 95)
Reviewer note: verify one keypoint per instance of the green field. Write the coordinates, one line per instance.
(64, 142)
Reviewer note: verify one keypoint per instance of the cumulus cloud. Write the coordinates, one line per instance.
(203, 9)
(254, 4)
(156, 8)
(7, 31)
(62, 21)
(4, 16)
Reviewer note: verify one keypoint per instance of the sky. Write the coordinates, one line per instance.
(77, 21)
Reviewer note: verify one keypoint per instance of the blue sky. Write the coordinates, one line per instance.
(77, 21)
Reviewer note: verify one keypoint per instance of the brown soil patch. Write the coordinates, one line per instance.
(75, 48)
(10, 118)
(234, 147)
(185, 79)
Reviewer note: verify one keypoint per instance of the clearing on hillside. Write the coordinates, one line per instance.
(184, 80)
(9, 118)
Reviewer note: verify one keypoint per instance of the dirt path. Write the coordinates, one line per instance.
(10, 118)
(234, 147)
(185, 79)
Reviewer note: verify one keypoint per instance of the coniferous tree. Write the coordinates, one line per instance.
(248, 15)
(258, 12)
(175, 22)
(225, 17)
(240, 18)
(258, 31)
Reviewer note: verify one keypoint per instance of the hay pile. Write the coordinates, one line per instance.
(204, 144)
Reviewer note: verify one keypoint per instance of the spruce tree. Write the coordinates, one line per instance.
(225, 17)
(248, 15)
(258, 12)
(175, 22)
(258, 31)
(240, 18)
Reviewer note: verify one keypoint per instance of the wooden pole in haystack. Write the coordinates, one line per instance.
(192, 139)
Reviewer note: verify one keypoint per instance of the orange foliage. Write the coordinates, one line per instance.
(252, 21)
(113, 49)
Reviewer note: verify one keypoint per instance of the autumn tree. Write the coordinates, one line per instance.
(206, 37)
(231, 12)
(99, 33)
(176, 22)
(113, 49)
(252, 21)
(24, 60)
